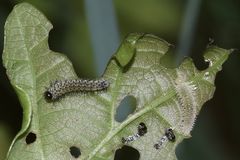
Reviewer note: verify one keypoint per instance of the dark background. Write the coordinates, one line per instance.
(188, 24)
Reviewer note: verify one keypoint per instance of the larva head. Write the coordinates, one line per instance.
(48, 96)
(170, 135)
(54, 91)
(124, 140)
(142, 129)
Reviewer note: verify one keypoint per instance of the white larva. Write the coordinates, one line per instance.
(168, 136)
(61, 87)
(142, 130)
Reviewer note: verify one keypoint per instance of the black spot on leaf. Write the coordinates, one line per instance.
(75, 151)
(31, 137)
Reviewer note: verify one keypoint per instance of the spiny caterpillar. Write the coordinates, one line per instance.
(142, 130)
(61, 87)
(168, 136)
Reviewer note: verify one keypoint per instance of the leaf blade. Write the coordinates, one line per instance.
(166, 97)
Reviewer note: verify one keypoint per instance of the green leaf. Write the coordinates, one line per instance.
(127, 49)
(166, 97)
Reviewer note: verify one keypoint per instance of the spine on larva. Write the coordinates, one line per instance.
(61, 87)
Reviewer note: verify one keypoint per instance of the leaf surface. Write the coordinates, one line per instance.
(166, 97)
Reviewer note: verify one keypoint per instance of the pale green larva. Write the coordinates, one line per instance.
(61, 87)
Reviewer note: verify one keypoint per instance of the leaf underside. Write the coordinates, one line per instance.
(166, 97)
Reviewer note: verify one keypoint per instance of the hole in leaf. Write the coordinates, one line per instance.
(199, 62)
(126, 107)
(127, 153)
(31, 137)
(75, 151)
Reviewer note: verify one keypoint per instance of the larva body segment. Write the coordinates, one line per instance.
(168, 136)
(61, 87)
